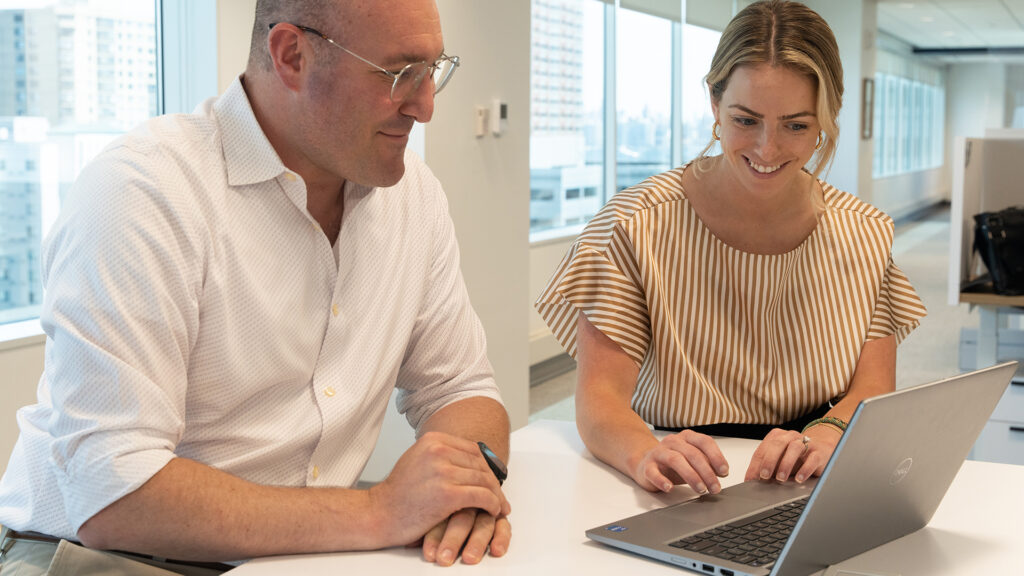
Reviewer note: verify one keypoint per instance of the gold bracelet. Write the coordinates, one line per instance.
(829, 424)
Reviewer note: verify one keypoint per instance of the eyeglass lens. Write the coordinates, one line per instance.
(412, 76)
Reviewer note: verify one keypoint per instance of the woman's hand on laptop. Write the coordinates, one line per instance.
(788, 454)
(684, 458)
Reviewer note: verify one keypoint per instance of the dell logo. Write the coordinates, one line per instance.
(901, 471)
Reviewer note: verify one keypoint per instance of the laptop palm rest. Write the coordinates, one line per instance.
(733, 502)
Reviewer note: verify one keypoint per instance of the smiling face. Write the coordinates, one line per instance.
(353, 129)
(769, 127)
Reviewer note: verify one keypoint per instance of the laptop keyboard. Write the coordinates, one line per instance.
(753, 540)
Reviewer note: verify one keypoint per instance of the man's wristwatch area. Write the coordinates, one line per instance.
(494, 462)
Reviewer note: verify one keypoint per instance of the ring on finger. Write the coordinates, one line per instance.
(805, 440)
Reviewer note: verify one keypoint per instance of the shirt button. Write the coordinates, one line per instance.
(329, 391)
(334, 309)
(289, 176)
(316, 472)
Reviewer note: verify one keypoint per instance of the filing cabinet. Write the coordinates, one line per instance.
(1002, 440)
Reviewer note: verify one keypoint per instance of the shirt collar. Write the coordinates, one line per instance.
(248, 155)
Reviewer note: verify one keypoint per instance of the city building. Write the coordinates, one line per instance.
(73, 75)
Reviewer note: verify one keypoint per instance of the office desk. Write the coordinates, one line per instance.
(993, 314)
(558, 490)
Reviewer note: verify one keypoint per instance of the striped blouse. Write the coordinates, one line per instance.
(722, 335)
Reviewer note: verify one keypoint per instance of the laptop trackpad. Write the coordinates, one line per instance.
(709, 510)
(737, 501)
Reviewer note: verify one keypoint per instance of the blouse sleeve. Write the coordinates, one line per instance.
(899, 309)
(602, 280)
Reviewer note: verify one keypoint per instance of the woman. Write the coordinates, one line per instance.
(739, 294)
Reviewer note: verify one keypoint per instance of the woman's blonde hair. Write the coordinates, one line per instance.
(791, 35)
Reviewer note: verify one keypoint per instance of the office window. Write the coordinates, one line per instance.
(567, 116)
(909, 123)
(74, 75)
(643, 72)
(591, 137)
(699, 45)
(57, 113)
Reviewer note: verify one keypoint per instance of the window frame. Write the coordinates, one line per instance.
(610, 134)
(186, 34)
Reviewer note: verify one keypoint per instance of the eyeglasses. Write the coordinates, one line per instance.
(408, 79)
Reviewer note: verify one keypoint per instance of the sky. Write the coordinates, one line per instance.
(644, 62)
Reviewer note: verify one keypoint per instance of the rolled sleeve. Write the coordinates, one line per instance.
(121, 314)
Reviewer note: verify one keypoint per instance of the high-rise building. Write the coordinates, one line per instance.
(24, 155)
(564, 188)
(73, 74)
(556, 86)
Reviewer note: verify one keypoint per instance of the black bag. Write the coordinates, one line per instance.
(999, 238)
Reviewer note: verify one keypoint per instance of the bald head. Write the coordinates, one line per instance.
(336, 18)
(305, 12)
(327, 107)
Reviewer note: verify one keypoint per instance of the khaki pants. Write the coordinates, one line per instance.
(30, 558)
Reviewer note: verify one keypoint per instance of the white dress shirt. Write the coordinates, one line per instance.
(194, 308)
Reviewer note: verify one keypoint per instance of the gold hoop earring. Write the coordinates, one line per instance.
(821, 140)
(714, 131)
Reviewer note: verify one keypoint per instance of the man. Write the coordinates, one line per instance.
(231, 297)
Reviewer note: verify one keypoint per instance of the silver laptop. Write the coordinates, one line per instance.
(887, 476)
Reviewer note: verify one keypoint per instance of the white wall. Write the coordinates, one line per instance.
(976, 99)
(487, 183)
(234, 30)
(853, 23)
(544, 258)
(903, 194)
(868, 54)
(487, 179)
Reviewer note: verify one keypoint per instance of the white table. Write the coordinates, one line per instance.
(558, 490)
